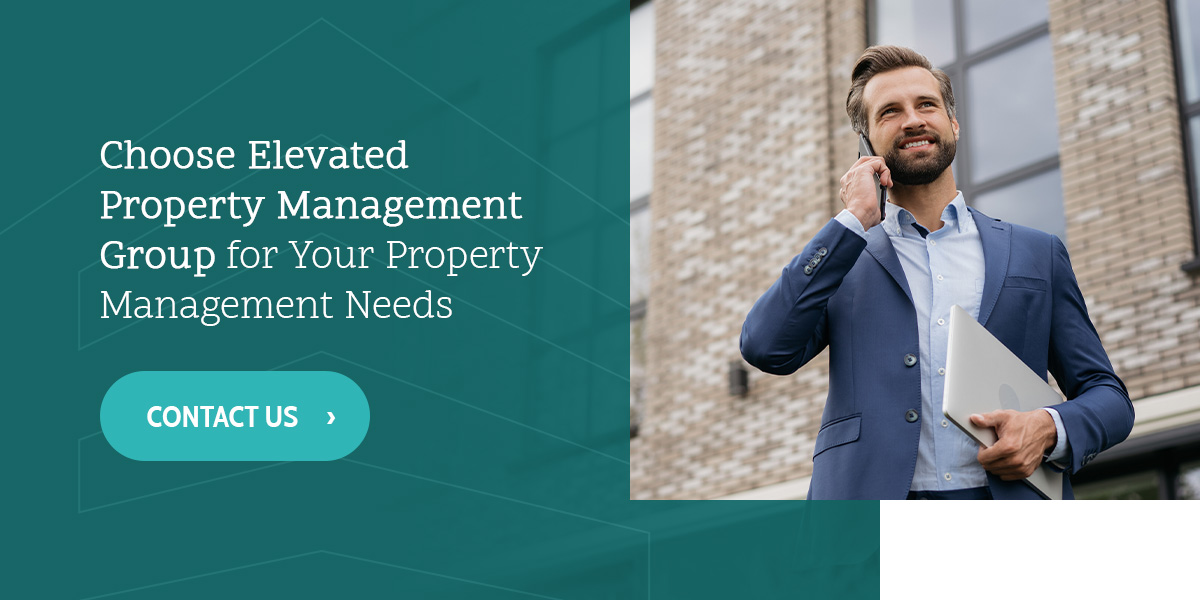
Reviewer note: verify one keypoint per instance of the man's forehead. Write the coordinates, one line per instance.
(899, 85)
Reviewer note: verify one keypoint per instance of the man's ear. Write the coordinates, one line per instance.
(954, 124)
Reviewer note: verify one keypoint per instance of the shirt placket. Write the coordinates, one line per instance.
(939, 307)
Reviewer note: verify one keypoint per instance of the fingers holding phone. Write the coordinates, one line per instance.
(862, 188)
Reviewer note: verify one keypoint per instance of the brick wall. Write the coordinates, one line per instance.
(745, 124)
(751, 137)
(1125, 189)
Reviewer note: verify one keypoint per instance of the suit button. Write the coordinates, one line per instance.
(808, 269)
(822, 252)
(910, 360)
(911, 416)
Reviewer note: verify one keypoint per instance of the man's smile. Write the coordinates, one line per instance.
(920, 155)
(917, 143)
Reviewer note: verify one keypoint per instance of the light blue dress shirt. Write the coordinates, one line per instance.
(944, 268)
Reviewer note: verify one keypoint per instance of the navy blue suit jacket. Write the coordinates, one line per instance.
(858, 304)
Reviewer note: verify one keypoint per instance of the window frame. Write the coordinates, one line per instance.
(1186, 112)
(956, 70)
(637, 309)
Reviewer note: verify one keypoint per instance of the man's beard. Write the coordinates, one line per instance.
(920, 170)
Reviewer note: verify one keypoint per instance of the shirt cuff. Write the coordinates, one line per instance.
(1061, 448)
(851, 222)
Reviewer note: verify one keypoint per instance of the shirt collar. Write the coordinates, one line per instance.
(900, 222)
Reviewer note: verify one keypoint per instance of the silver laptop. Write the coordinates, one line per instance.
(981, 376)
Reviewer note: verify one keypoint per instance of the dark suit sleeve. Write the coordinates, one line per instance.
(787, 326)
(1098, 413)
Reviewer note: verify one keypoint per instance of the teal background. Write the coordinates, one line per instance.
(496, 465)
(300, 402)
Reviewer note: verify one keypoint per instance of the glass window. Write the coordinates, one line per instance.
(1187, 19)
(1138, 486)
(639, 254)
(1000, 61)
(989, 21)
(641, 180)
(1011, 100)
(926, 26)
(641, 49)
(1194, 132)
(1187, 485)
(1035, 202)
(641, 148)
(637, 371)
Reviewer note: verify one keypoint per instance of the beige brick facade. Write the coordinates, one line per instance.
(1125, 187)
(751, 137)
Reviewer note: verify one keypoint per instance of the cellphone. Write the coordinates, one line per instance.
(864, 149)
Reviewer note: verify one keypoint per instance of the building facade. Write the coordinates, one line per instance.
(1078, 118)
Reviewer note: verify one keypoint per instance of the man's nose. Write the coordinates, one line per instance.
(913, 119)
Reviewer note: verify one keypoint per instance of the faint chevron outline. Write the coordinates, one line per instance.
(315, 553)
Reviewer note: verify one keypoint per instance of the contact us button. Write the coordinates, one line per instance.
(234, 415)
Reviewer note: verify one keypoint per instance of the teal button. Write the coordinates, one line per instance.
(234, 415)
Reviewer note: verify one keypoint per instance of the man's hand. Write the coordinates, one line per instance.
(1024, 438)
(858, 190)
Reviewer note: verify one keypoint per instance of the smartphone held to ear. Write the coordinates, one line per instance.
(864, 149)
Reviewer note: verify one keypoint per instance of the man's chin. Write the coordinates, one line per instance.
(918, 171)
(917, 174)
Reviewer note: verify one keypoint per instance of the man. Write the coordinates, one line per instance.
(878, 291)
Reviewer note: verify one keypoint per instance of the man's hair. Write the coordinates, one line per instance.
(881, 59)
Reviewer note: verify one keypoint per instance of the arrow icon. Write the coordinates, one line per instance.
(331, 418)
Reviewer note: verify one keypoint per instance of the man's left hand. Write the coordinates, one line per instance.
(1024, 439)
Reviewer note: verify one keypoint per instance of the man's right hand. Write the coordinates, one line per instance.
(858, 190)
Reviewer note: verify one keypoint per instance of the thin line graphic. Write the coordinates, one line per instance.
(472, 119)
(164, 123)
(79, 470)
(201, 575)
(183, 487)
(314, 553)
(52, 199)
(440, 575)
(491, 495)
(648, 536)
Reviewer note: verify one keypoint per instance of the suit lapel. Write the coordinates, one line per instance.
(996, 237)
(881, 248)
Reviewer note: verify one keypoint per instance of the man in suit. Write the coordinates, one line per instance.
(878, 290)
